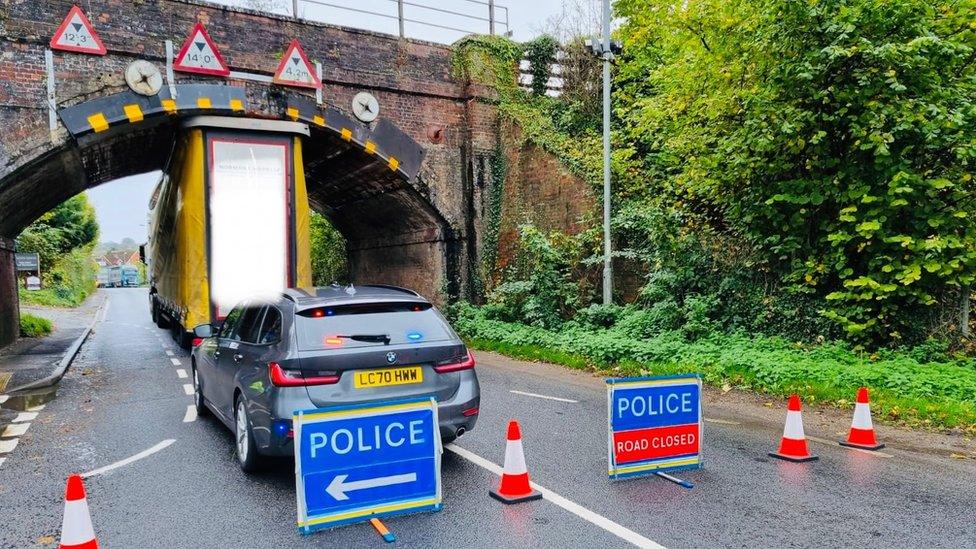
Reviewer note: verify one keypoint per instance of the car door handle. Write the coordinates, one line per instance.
(238, 357)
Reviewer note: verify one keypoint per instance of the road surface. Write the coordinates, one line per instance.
(125, 396)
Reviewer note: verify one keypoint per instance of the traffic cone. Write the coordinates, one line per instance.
(793, 447)
(514, 486)
(76, 529)
(862, 429)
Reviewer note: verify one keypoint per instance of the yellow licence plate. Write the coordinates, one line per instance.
(366, 379)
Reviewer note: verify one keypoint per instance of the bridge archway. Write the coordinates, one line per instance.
(363, 178)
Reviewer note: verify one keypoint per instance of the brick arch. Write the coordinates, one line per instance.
(45, 159)
(364, 178)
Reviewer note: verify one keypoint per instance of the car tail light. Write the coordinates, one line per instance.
(454, 365)
(281, 377)
(470, 412)
(197, 341)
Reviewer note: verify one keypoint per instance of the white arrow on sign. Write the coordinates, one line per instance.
(338, 487)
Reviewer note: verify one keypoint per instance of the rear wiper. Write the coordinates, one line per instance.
(369, 338)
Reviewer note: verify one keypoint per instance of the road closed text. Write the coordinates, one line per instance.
(643, 444)
(655, 424)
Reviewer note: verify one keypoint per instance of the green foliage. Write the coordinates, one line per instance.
(836, 137)
(34, 326)
(69, 226)
(66, 283)
(541, 289)
(328, 249)
(493, 217)
(541, 53)
(909, 388)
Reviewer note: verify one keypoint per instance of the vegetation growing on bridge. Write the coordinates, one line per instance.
(790, 168)
(795, 171)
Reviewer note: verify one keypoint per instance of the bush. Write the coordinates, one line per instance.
(34, 326)
(906, 386)
(68, 282)
(541, 288)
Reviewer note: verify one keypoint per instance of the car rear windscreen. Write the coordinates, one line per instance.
(368, 325)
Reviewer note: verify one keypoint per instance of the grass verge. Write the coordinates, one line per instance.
(905, 391)
(34, 326)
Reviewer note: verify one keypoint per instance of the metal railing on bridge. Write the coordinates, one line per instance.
(433, 20)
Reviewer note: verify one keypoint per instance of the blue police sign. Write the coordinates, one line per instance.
(655, 424)
(363, 461)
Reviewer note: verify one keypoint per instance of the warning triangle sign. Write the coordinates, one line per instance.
(199, 54)
(295, 69)
(77, 34)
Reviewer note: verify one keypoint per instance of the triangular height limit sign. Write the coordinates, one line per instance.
(295, 69)
(199, 54)
(77, 34)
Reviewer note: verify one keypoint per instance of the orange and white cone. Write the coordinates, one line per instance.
(515, 486)
(793, 447)
(76, 529)
(862, 429)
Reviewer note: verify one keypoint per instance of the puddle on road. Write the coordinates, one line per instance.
(25, 400)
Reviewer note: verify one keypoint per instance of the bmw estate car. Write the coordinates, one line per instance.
(319, 347)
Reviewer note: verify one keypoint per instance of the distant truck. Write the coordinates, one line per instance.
(229, 220)
(130, 276)
(109, 277)
(118, 276)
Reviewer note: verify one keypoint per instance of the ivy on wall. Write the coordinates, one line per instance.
(541, 54)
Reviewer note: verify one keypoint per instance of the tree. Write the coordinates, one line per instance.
(837, 138)
(328, 248)
(69, 226)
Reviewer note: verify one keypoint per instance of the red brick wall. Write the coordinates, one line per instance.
(10, 319)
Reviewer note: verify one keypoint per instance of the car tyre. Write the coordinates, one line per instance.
(198, 401)
(244, 446)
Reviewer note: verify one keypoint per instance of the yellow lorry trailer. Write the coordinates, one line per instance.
(229, 220)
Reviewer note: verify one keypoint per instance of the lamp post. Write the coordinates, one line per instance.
(606, 51)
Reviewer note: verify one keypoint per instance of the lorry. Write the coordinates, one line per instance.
(228, 221)
(109, 277)
(129, 276)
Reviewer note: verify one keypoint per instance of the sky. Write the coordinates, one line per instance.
(121, 205)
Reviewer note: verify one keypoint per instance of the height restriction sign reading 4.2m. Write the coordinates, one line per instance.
(655, 424)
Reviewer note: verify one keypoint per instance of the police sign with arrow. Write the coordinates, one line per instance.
(364, 461)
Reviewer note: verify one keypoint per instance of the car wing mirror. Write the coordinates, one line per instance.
(203, 330)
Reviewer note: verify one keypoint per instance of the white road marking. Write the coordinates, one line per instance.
(545, 397)
(181, 373)
(7, 446)
(128, 460)
(3, 398)
(721, 421)
(175, 361)
(191, 414)
(25, 416)
(169, 353)
(877, 453)
(2, 460)
(621, 532)
(15, 429)
(187, 388)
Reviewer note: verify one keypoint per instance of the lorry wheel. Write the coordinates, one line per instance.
(161, 318)
(153, 312)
